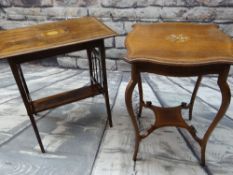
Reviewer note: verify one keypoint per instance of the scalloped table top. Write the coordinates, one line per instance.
(179, 44)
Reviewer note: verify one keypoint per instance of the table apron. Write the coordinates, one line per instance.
(27, 57)
(180, 71)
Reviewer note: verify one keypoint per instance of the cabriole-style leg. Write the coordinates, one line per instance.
(140, 91)
(226, 97)
(194, 94)
(128, 101)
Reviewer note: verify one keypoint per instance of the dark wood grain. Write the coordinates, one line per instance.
(179, 50)
(64, 98)
(52, 39)
(51, 35)
(179, 44)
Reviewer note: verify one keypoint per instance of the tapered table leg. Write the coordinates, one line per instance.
(23, 89)
(105, 84)
(33, 122)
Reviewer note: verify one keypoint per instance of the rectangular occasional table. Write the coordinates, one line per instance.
(180, 50)
(51, 39)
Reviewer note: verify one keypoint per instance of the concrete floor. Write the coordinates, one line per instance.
(78, 141)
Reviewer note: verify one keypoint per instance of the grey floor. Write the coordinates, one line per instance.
(78, 141)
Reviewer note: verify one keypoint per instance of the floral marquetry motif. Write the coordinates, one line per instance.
(178, 38)
(179, 44)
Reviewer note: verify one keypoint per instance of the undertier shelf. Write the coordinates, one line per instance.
(65, 98)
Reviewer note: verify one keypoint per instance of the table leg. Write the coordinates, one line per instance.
(23, 89)
(105, 84)
(226, 97)
(33, 122)
(172, 116)
(140, 91)
(194, 94)
(128, 100)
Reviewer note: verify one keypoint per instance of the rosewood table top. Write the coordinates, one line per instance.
(179, 44)
(51, 35)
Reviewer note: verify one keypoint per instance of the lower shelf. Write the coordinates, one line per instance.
(169, 116)
(65, 98)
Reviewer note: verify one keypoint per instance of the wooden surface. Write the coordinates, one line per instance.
(51, 35)
(78, 142)
(179, 44)
(65, 98)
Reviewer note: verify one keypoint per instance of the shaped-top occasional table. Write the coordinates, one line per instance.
(180, 50)
(47, 40)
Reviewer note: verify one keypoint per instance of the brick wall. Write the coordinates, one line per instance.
(118, 14)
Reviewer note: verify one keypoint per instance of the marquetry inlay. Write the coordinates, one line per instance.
(54, 32)
(178, 38)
